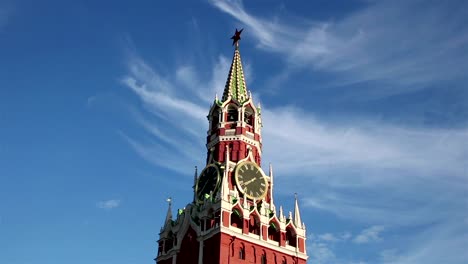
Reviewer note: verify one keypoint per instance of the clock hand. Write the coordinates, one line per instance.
(249, 181)
(204, 185)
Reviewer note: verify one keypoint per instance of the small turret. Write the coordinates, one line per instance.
(169, 212)
(281, 214)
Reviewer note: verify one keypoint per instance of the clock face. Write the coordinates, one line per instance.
(250, 180)
(207, 182)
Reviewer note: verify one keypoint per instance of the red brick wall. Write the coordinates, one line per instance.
(231, 246)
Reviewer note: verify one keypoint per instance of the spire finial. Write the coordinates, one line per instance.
(169, 210)
(236, 37)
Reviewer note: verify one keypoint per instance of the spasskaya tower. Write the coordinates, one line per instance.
(233, 218)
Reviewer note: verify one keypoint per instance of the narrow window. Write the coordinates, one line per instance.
(248, 116)
(263, 259)
(214, 120)
(241, 253)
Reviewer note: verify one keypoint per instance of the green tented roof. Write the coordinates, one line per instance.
(235, 84)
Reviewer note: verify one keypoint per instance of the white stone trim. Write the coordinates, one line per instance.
(265, 244)
(250, 135)
(235, 137)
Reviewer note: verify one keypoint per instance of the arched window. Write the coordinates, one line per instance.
(214, 119)
(249, 116)
(232, 114)
(264, 258)
(254, 225)
(236, 219)
(160, 247)
(284, 261)
(241, 252)
(290, 237)
(169, 243)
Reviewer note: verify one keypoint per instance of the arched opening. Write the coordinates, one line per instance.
(236, 218)
(284, 261)
(290, 236)
(241, 252)
(232, 114)
(274, 232)
(263, 259)
(212, 219)
(214, 119)
(160, 247)
(254, 224)
(190, 246)
(169, 243)
(249, 116)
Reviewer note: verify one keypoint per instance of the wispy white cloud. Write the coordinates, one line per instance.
(91, 100)
(332, 238)
(177, 103)
(328, 237)
(108, 204)
(442, 243)
(322, 247)
(313, 144)
(398, 43)
(321, 253)
(371, 234)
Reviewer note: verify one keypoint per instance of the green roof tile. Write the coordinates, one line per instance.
(235, 84)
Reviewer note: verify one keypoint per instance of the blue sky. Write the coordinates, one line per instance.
(103, 116)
